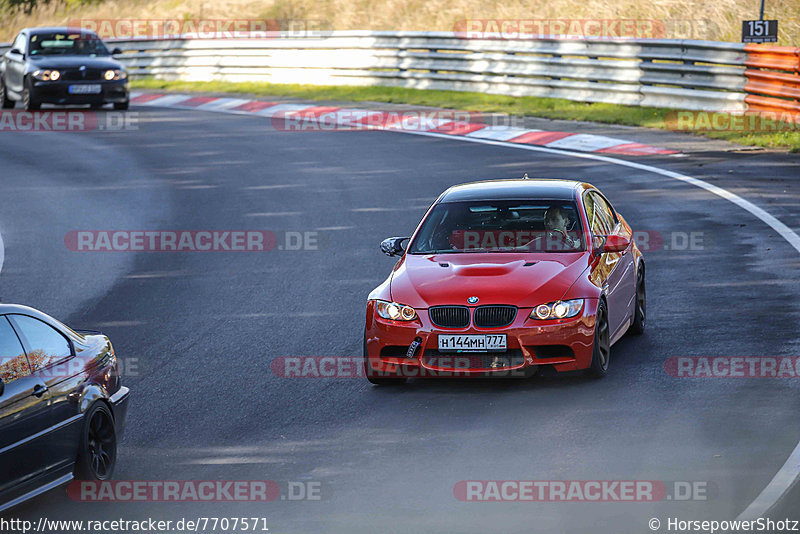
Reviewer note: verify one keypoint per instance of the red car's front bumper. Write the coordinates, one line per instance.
(564, 344)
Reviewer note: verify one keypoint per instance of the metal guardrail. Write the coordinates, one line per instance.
(700, 75)
(683, 74)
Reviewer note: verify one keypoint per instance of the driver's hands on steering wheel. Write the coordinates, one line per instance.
(562, 234)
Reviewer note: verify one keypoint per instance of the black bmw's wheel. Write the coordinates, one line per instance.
(5, 102)
(640, 314)
(601, 352)
(28, 102)
(374, 377)
(98, 453)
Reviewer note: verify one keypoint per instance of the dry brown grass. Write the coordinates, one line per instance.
(697, 19)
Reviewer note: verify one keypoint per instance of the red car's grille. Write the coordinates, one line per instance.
(474, 360)
(450, 316)
(494, 316)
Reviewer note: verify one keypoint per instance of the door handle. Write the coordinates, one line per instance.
(39, 390)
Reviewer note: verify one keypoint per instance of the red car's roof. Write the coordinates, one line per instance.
(512, 190)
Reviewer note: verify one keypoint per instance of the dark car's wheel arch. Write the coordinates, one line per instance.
(5, 101)
(27, 100)
(84, 468)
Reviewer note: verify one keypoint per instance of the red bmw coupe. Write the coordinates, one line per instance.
(503, 277)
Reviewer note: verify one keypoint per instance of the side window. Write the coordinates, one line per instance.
(45, 345)
(13, 363)
(588, 202)
(602, 219)
(19, 43)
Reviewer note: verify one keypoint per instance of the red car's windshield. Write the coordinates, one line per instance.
(500, 226)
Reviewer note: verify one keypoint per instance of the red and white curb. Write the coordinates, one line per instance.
(386, 120)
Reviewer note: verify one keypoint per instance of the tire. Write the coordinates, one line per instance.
(122, 106)
(27, 102)
(601, 348)
(374, 377)
(97, 456)
(96, 106)
(5, 102)
(640, 312)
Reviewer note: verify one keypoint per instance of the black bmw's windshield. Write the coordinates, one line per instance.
(500, 226)
(61, 43)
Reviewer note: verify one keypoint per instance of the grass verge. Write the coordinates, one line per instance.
(551, 108)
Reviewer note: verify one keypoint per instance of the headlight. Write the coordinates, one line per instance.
(115, 74)
(47, 75)
(561, 309)
(395, 311)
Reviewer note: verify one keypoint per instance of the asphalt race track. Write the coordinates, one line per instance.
(200, 329)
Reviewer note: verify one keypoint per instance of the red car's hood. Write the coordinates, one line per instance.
(525, 280)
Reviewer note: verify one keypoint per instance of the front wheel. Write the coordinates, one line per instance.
(97, 456)
(640, 313)
(601, 351)
(5, 102)
(28, 102)
(122, 106)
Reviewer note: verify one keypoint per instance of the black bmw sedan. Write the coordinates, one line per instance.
(61, 66)
(62, 406)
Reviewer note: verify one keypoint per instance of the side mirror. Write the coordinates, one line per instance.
(116, 51)
(15, 51)
(393, 246)
(616, 243)
(2, 387)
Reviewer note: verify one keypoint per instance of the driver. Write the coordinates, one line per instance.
(557, 220)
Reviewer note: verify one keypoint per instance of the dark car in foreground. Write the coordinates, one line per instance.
(503, 278)
(62, 405)
(62, 66)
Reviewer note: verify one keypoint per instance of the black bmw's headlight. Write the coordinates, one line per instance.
(46, 75)
(114, 74)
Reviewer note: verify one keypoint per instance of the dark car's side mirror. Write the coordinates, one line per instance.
(615, 243)
(2, 387)
(116, 51)
(393, 246)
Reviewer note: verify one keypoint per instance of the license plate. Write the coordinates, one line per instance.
(85, 89)
(472, 343)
